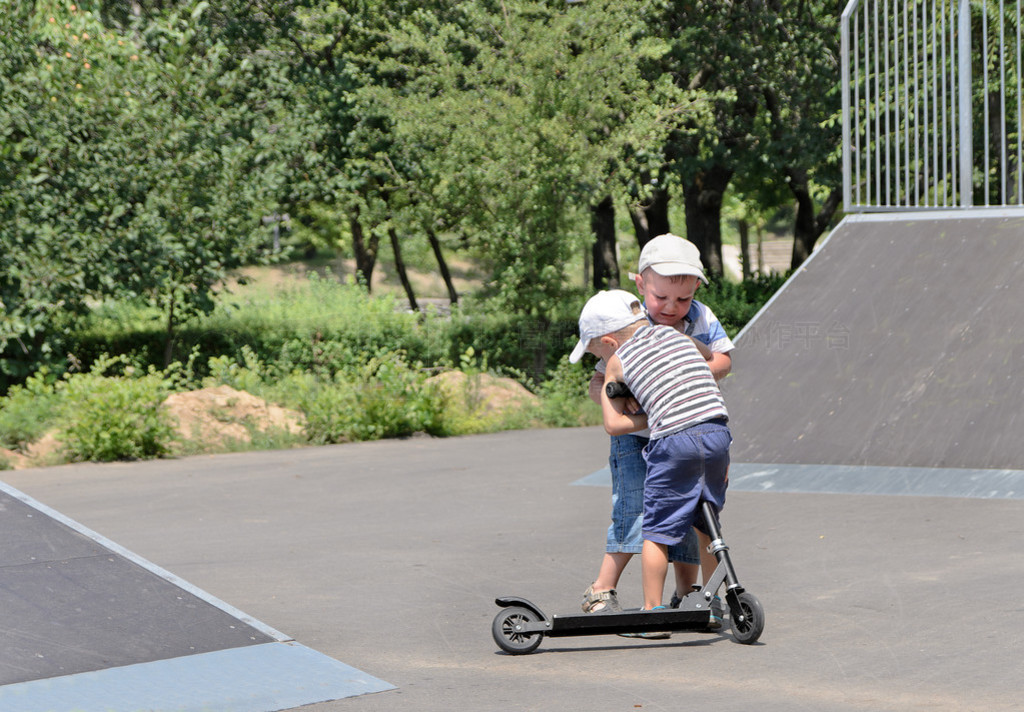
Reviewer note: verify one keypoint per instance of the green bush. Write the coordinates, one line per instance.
(565, 402)
(27, 411)
(512, 343)
(355, 365)
(736, 303)
(321, 327)
(106, 418)
(325, 325)
(384, 398)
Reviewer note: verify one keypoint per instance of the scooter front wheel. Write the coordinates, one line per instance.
(507, 630)
(748, 621)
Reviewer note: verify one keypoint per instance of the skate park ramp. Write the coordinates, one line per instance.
(891, 361)
(87, 625)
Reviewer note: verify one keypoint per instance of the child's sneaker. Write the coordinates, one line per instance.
(600, 601)
(653, 635)
(716, 614)
(715, 622)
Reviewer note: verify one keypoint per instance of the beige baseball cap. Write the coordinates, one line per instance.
(670, 255)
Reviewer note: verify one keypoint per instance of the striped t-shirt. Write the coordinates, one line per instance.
(670, 379)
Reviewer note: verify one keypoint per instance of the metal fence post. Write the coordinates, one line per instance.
(844, 54)
(964, 92)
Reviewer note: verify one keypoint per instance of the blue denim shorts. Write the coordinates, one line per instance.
(629, 470)
(683, 469)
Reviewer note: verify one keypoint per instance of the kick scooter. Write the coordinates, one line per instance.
(520, 626)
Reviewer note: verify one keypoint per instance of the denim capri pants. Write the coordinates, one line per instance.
(683, 469)
(629, 470)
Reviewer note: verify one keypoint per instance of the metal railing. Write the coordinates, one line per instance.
(931, 104)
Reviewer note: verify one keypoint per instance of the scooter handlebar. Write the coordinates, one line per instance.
(617, 389)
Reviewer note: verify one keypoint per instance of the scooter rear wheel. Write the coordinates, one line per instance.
(748, 622)
(507, 630)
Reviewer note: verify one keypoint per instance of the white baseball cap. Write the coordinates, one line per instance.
(670, 255)
(605, 313)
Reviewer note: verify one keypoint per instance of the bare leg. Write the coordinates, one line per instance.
(708, 562)
(612, 566)
(686, 577)
(654, 561)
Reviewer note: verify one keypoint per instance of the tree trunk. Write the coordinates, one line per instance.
(760, 249)
(650, 219)
(744, 228)
(809, 226)
(400, 268)
(703, 195)
(606, 264)
(365, 252)
(169, 334)
(435, 245)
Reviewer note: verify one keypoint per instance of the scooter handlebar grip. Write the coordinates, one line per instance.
(618, 389)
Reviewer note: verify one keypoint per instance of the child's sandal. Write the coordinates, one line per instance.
(598, 601)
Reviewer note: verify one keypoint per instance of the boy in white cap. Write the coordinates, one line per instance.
(670, 274)
(687, 457)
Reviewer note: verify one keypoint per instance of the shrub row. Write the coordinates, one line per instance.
(356, 366)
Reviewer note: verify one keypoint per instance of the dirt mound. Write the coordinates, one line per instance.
(44, 451)
(484, 393)
(11, 460)
(215, 416)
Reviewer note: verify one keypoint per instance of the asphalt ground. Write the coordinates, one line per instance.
(388, 556)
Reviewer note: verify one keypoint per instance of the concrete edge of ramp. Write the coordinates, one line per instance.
(266, 677)
(852, 479)
(258, 678)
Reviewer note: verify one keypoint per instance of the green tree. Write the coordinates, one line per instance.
(801, 125)
(135, 163)
(515, 115)
(718, 48)
(770, 73)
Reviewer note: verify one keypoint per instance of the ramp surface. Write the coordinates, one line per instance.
(89, 626)
(71, 605)
(900, 343)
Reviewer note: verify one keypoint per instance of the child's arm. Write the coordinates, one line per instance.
(720, 364)
(596, 387)
(704, 349)
(616, 420)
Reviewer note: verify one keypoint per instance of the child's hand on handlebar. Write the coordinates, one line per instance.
(618, 389)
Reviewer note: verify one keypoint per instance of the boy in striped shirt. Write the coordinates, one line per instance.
(688, 454)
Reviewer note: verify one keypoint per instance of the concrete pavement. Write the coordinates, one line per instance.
(387, 556)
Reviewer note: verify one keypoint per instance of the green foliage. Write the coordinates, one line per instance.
(139, 148)
(564, 399)
(131, 163)
(535, 104)
(384, 398)
(351, 385)
(28, 410)
(106, 418)
(736, 303)
(320, 326)
(325, 325)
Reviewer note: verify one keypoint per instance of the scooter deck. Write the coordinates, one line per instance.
(686, 617)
